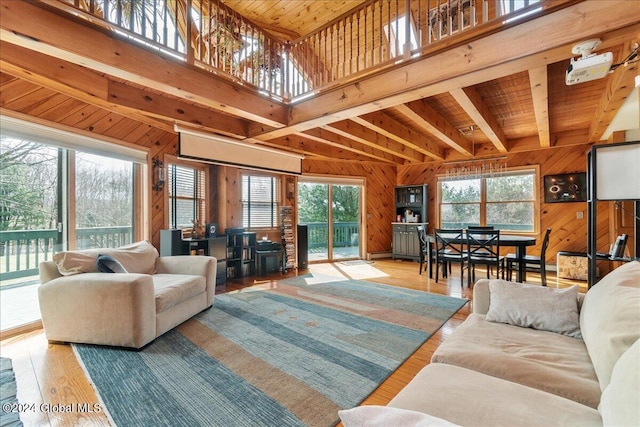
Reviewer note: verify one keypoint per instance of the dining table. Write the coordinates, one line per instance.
(519, 242)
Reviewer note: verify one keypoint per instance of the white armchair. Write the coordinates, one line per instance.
(79, 304)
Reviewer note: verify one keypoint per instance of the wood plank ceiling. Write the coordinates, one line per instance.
(498, 94)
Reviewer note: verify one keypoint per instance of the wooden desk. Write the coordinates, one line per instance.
(518, 242)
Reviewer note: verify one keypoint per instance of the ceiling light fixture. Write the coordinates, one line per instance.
(475, 168)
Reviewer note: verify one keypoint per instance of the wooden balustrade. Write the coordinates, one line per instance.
(372, 36)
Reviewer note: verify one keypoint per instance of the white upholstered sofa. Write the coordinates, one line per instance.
(576, 364)
(80, 304)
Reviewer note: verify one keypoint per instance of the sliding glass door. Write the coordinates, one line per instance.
(345, 221)
(332, 212)
(55, 199)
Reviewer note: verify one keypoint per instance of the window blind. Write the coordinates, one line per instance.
(260, 201)
(186, 196)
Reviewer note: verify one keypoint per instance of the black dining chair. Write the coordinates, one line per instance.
(424, 250)
(532, 263)
(449, 249)
(480, 228)
(483, 247)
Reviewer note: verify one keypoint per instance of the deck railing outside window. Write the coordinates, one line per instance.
(21, 251)
(343, 233)
(374, 35)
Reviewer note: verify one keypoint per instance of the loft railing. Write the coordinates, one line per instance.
(375, 35)
(21, 251)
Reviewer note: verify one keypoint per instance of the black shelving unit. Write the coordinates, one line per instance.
(241, 253)
(619, 160)
(248, 254)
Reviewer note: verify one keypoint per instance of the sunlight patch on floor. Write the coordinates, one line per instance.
(357, 271)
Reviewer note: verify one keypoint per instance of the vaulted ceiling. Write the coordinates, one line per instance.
(499, 91)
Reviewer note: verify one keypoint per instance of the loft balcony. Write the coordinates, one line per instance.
(373, 36)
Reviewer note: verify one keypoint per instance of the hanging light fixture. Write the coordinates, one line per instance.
(475, 168)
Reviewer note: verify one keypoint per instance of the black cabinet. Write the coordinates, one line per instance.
(411, 211)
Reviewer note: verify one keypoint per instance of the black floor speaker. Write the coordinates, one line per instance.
(303, 247)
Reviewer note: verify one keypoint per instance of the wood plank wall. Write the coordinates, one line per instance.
(567, 232)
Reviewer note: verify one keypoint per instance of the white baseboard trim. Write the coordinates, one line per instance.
(378, 255)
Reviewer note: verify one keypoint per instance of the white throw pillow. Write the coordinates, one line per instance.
(537, 307)
(620, 403)
(610, 318)
(139, 257)
(387, 416)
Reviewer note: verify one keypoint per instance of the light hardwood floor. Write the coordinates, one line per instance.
(49, 377)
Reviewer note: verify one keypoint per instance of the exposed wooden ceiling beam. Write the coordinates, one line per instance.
(538, 82)
(339, 141)
(425, 117)
(177, 110)
(620, 83)
(75, 42)
(366, 136)
(473, 104)
(66, 85)
(440, 72)
(386, 125)
(97, 89)
(309, 147)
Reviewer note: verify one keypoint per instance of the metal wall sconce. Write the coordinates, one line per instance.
(158, 175)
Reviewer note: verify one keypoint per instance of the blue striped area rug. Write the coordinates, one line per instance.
(289, 354)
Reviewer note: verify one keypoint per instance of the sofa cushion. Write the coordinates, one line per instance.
(108, 264)
(620, 405)
(543, 360)
(610, 318)
(173, 289)
(385, 416)
(470, 398)
(536, 307)
(139, 257)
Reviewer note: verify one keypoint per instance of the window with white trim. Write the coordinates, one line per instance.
(260, 201)
(506, 201)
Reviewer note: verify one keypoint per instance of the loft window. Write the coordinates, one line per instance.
(260, 201)
(397, 36)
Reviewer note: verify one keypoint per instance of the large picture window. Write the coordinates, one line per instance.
(506, 201)
(260, 201)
